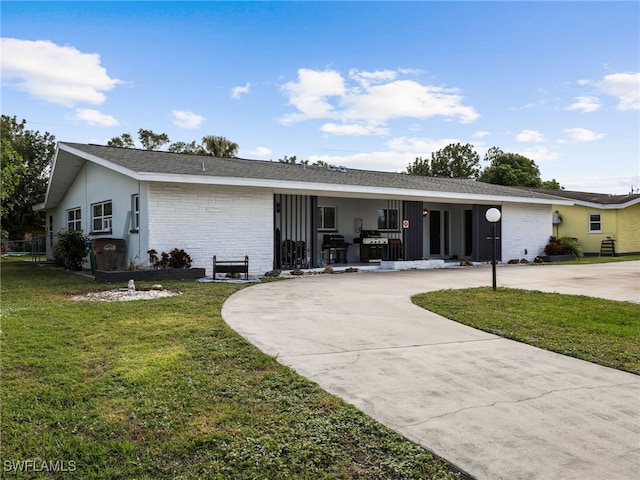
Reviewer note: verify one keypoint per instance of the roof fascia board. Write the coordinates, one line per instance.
(331, 189)
(99, 161)
(50, 181)
(608, 206)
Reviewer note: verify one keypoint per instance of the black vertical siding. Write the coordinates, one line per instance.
(483, 234)
(412, 236)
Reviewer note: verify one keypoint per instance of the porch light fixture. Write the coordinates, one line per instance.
(493, 217)
(425, 212)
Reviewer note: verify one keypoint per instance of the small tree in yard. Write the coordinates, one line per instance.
(71, 249)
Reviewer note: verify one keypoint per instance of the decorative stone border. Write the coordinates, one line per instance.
(557, 258)
(120, 276)
(412, 265)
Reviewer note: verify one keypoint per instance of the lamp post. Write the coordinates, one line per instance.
(493, 217)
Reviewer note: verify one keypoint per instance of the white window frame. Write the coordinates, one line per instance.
(322, 226)
(74, 223)
(593, 222)
(135, 212)
(105, 220)
(383, 214)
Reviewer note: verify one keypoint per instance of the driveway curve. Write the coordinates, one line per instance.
(495, 408)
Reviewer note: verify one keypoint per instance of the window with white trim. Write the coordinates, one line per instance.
(74, 219)
(101, 217)
(327, 218)
(387, 219)
(595, 223)
(135, 212)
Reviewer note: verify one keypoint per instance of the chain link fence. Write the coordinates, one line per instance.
(36, 248)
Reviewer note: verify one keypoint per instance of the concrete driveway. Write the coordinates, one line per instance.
(495, 408)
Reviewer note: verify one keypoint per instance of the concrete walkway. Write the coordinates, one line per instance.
(495, 408)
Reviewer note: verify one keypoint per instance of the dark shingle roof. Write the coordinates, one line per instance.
(589, 197)
(157, 162)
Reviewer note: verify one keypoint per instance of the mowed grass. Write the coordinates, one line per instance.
(597, 259)
(162, 388)
(601, 331)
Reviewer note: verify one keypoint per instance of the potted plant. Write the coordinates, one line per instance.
(175, 265)
(562, 249)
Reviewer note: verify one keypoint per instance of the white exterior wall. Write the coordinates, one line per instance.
(525, 227)
(97, 184)
(228, 222)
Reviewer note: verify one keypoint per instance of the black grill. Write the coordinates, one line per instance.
(335, 243)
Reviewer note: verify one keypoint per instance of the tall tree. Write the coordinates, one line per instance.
(552, 185)
(182, 147)
(29, 157)
(151, 140)
(421, 166)
(123, 141)
(148, 138)
(12, 171)
(453, 161)
(218, 146)
(293, 159)
(510, 169)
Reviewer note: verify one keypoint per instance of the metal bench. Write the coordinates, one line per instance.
(231, 266)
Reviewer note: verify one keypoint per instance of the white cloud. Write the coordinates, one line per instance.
(583, 134)
(539, 154)
(406, 98)
(384, 161)
(261, 152)
(367, 78)
(94, 117)
(624, 86)
(184, 119)
(375, 98)
(480, 134)
(419, 146)
(530, 136)
(237, 92)
(57, 74)
(401, 152)
(309, 94)
(353, 129)
(615, 185)
(585, 104)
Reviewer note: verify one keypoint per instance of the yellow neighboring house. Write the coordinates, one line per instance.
(596, 217)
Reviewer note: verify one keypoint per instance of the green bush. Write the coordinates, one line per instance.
(571, 246)
(71, 249)
(174, 259)
(563, 246)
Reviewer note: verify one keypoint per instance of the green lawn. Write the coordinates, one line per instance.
(600, 331)
(164, 389)
(605, 259)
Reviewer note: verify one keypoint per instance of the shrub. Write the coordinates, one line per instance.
(554, 247)
(563, 246)
(174, 259)
(71, 249)
(571, 246)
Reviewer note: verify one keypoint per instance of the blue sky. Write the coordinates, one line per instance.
(367, 85)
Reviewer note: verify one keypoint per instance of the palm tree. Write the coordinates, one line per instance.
(218, 146)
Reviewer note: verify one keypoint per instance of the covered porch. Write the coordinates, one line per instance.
(313, 231)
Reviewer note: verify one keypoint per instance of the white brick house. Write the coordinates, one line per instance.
(232, 207)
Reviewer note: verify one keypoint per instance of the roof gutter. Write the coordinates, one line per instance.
(355, 191)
